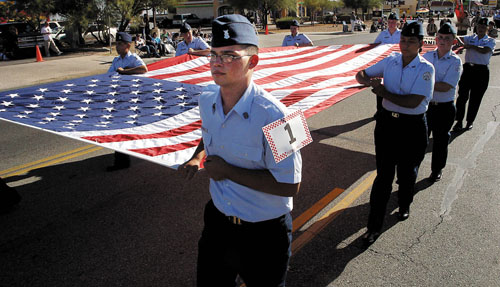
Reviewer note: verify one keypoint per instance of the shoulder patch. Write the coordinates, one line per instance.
(427, 76)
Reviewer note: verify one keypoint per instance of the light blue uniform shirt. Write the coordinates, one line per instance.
(237, 137)
(129, 61)
(196, 44)
(473, 56)
(290, 40)
(386, 38)
(448, 70)
(416, 78)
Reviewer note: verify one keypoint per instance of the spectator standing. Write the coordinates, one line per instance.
(247, 230)
(441, 112)
(431, 28)
(353, 20)
(476, 76)
(295, 38)
(463, 24)
(47, 40)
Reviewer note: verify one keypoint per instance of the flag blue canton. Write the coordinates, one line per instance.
(102, 102)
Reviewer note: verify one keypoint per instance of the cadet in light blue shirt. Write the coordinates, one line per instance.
(191, 45)
(126, 63)
(248, 216)
(392, 34)
(441, 111)
(401, 128)
(295, 38)
(476, 76)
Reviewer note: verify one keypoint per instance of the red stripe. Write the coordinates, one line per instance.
(331, 101)
(281, 75)
(161, 150)
(302, 59)
(302, 51)
(130, 137)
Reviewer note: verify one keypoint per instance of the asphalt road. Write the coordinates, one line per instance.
(81, 226)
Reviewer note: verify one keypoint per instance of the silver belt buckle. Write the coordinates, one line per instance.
(395, 115)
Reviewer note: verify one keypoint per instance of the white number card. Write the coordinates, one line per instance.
(287, 135)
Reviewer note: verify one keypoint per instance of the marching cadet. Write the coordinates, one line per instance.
(389, 36)
(401, 126)
(441, 112)
(392, 34)
(248, 226)
(295, 38)
(476, 75)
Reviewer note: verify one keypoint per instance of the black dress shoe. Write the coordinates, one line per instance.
(458, 127)
(116, 167)
(435, 176)
(369, 237)
(403, 214)
(468, 126)
(9, 198)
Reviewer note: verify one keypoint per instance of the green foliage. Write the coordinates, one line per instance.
(264, 6)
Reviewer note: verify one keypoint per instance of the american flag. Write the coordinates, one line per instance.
(155, 116)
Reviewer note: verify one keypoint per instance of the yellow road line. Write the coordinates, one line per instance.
(317, 207)
(48, 161)
(319, 225)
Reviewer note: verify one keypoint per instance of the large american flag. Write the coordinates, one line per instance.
(155, 116)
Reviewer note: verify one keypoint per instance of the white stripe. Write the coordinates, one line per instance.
(176, 121)
(151, 143)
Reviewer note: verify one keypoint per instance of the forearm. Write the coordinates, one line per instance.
(482, 50)
(200, 52)
(261, 180)
(442, 87)
(405, 101)
(136, 70)
(362, 78)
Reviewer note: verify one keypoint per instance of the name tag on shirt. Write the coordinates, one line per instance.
(287, 135)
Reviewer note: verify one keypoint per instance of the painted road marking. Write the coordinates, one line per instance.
(316, 208)
(331, 214)
(21, 169)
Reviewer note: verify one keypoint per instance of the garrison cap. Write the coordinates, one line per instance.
(413, 29)
(483, 21)
(393, 16)
(295, 23)
(233, 29)
(447, 28)
(124, 37)
(185, 28)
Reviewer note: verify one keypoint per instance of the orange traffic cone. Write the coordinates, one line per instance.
(267, 30)
(38, 55)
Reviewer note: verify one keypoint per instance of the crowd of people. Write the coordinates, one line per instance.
(248, 216)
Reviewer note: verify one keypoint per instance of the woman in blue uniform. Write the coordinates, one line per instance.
(401, 127)
(441, 112)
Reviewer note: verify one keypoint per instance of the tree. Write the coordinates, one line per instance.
(34, 9)
(128, 9)
(364, 4)
(264, 6)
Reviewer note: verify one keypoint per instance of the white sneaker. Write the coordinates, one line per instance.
(59, 54)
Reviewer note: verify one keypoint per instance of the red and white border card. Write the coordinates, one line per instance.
(287, 135)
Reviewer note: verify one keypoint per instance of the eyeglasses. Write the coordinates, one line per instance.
(225, 58)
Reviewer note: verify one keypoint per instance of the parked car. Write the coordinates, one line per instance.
(27, 37)
(191, 19)
(90, 36)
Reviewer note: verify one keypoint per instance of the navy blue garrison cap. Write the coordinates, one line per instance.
(483, 21)
(124, 37)
(447, 29)
(233, 29)
(393, 16)
(185, 28)
(295, 23)
(413, 29)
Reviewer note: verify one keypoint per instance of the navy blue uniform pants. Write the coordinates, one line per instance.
(400, 143)
(440, 119)
(258, 252)
(471, 87)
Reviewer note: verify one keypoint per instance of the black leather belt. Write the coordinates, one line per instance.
(476, 65)
(432, 103)
(401, 116)
(238, 221)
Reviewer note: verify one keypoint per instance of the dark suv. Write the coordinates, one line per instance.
(191, 19)
(27, 37)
